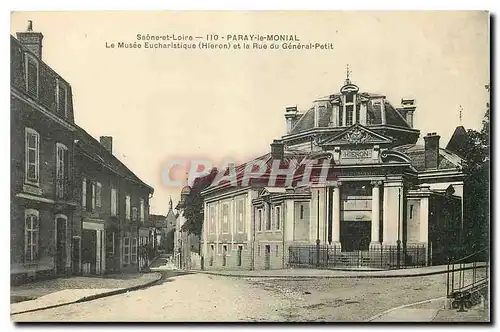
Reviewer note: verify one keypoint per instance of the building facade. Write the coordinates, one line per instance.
(113, 206)
(350, 179)
(75, 208)
(42, 160)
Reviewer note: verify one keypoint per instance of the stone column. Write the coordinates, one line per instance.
(375, 241)
(343, 112)
(206, 219)
(336, 214)
(393, 212)
(318, 213)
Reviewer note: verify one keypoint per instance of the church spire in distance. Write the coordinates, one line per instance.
(170, 203)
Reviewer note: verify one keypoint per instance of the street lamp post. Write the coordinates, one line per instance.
(399, 225)
(317, 236)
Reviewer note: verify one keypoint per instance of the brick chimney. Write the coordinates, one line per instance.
(431, 150)
(277, 150)
(31, 40)
(107, 142)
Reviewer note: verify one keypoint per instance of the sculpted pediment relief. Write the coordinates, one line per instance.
(357, 135)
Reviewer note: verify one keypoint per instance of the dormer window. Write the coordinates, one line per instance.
(61, 98)
(32, 74)
(349, 115)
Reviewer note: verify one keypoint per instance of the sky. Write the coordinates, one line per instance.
(160, 104)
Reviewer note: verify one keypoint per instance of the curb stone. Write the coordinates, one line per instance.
(405, 306)
(354, 276)
(95, 296)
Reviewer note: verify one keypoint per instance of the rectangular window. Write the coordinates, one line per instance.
(31, 236)
(349, 98)
(32, 156)
(134, 213)
(212, 220)
(225, 218)
(126, 250)
(113, 202)
(268, 217)
(61, 152)
(92, 198)
(127, 207)
(110, 243)
(98, 194)
(32, 74)
(134, 250)
(411, 211)
(240, 213)
(62, 99)
(277, 223)
(349, 115)
(301, 211)
(84, 193)
(142, 210)
(358, 113)
(259, 220)
(277, 251)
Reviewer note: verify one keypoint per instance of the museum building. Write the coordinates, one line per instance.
(383, 195)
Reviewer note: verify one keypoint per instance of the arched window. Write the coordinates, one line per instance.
(31, 230)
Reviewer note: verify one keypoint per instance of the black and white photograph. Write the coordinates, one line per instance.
(250, 166)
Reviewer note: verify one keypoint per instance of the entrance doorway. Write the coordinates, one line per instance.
(61, 238)
(224, 254)
(240, 249)
(89, 250)
(267, 257)
(355, 235)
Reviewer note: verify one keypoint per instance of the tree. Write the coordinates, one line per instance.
(476, 167)
(193, 205)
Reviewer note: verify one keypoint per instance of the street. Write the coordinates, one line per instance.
(211, 298)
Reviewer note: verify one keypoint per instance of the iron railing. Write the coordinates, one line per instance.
(383, 257)
(467, 279)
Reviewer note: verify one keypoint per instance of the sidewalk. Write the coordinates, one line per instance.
(331, 273)
(56, 292)
(431, 311)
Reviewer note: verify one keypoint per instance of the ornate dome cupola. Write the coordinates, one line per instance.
(350, 104)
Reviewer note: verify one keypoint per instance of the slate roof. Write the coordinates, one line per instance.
(416, 153)
(93, 149)
(299, 157)
(457, 140)
(393, 116)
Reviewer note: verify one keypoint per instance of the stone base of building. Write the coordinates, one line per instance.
(27, 277)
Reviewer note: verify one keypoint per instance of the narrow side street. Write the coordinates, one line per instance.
(207, 298)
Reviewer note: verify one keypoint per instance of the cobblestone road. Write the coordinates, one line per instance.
(200, 297)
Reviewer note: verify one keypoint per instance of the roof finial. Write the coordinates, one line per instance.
(460, 109)
(348, 72)
(30, 25)
(170, 203)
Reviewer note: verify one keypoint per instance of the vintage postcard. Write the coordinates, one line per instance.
(250, 166)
